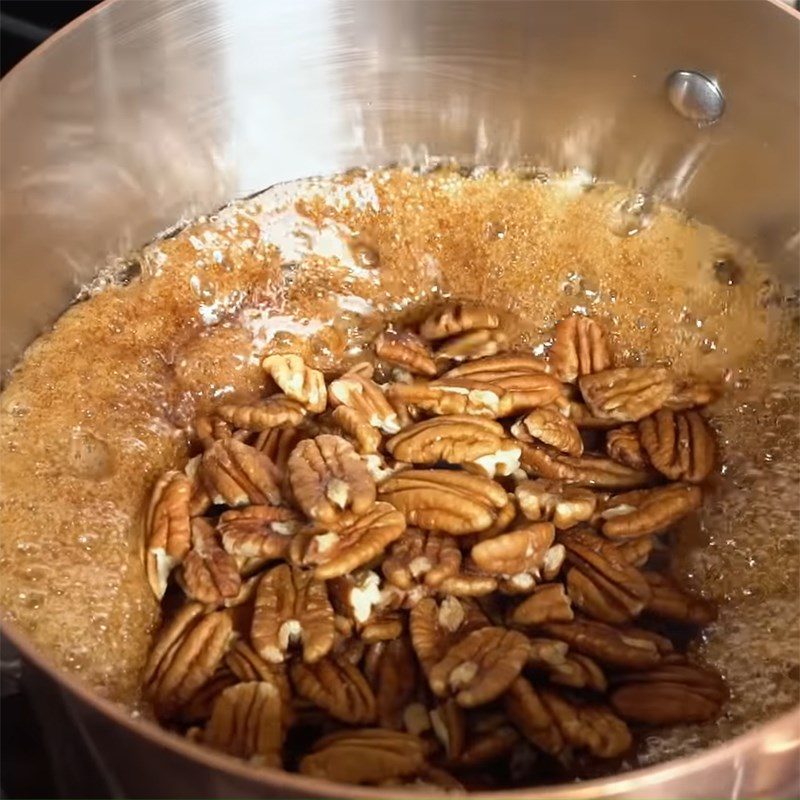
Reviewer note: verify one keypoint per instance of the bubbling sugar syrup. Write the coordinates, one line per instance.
(101, 404)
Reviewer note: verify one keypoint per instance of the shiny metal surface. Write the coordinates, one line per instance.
(148, 110)
(695, 96)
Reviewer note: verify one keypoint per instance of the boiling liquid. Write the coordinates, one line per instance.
(101, 405)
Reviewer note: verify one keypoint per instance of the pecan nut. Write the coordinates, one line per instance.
(594, 727)
(435, 627)
(679, 445)
(449, 724)
(367, 756)
(452, 396)
(239, 475)
(547, 603)
(356, 596)
(277, 444)
(353, 540)
(624, 446)
(391, 669)
(459, 439)
(186, 654)
(490, 740)
(246, 665)
(337, 687)
(549, 426)
(291, 606)
(545, 654)
(579, 672)
(327, 476)
(456, 318)
(257, 531)
(516, 551)
(420, 557)
(601, 583)
(362, 394)
(406, 350)
(278, 411)
(565, 506)
(588, 470)
(442, 500)
(607, 645)
(480, 667)
(529, 714)
(168, 529)
(356, 425)
(210, 574)
(649, 511)
(672, 694)
(297, 380)
(468, 582)
(579, 348)
(670, 601)
(474, 344)
(246, 721)
(627, 394)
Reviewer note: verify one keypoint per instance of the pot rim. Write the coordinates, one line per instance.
(776, 736)
(780, 735)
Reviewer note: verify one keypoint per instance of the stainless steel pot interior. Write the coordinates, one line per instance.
(145, 111)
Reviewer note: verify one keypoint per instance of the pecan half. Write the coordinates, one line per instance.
(601, 583)
(588, 470)
(406, 350)
(167, 529)
(297, 380)
(516, 551)
(579, 672)
(452, 396)
(421, 558)
(186, 654)
(435, 627)
(579, 413)
(246, 721)
(327, 476)
(670, 601)
(480, 667)
(456, 318)
(474, 344)
(594, 727)
(691, 392)
(624, 445)
(549, 426)
(679, 445)
(459, 439)
(649, 511)
(278, 411)
(449, 724)
(565, 506)
(247, 665)
(579, 348)
(547, 603)
(468, 582)
(545, 654)
(291, 606)
(367, 756)
(355, 596)
(610, 646)
(209, 573)
(627, 394)
(443, 500)
(635, 551)
(391, 669)
(529, 714)
(257, 531)
(365, 396)
(336, 686)
(198, 708)
(353, 540)
(238, 475)
(356, 425)
(522, 377)
(277, 444)
(209, 427)
(489, 740)
(672, 694)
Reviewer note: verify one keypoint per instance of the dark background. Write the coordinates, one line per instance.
(26, 23)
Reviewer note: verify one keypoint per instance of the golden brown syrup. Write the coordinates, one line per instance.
(101, 405)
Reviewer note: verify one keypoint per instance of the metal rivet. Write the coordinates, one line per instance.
(695, 96)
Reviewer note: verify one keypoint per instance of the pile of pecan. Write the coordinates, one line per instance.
(451, 553)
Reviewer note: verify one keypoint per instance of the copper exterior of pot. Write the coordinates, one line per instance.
(144, 111)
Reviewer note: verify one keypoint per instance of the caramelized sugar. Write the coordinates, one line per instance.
(101, 404)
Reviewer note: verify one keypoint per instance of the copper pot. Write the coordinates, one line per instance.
(145, 111)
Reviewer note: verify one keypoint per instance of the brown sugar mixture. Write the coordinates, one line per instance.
(359, 436)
